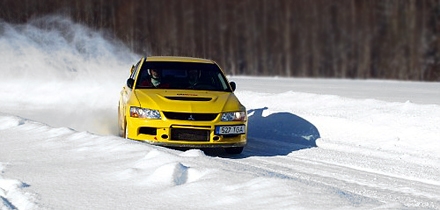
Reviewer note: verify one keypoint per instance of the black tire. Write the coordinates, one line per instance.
(125, 131)
(121, 130)
(234, 150)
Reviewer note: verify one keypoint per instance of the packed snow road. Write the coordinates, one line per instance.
(305, 151)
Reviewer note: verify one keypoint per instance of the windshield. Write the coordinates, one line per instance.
(180, 75)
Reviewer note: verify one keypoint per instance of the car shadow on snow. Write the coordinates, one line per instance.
(278, 134)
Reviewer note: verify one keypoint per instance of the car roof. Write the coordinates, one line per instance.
(178, 59)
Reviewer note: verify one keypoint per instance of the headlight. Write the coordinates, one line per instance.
(138, 112)
(234, 116)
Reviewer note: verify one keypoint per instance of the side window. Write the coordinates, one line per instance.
(135, 69)
(222, 81)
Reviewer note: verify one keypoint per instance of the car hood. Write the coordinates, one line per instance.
(189, 101)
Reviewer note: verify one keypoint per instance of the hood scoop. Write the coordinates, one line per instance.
(184, 98)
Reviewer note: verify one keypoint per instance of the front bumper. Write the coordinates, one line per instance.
(189, 134)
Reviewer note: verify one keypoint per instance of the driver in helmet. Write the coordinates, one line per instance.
(155, 79)
(193, 77)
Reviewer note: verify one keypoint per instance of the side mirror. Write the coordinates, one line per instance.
(233, 86)
(130, 83)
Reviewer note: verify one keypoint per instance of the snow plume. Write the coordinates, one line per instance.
(55, 48)
(62, 68)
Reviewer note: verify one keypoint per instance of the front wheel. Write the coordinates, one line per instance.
(234, 150)
(126, 131)
(121, 124)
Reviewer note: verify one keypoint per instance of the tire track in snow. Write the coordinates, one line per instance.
(309, 167)
(12, 195)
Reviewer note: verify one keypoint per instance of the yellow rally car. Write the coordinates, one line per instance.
(182, 102)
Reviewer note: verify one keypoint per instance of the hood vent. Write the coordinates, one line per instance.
(180, 98)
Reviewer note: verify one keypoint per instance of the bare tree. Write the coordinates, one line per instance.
(392, 39)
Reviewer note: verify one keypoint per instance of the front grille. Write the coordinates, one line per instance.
(189, 134)
(190, 116)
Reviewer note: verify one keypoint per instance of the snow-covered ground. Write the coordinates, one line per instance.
(313, 143)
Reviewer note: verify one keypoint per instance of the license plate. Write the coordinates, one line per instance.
(237, 129)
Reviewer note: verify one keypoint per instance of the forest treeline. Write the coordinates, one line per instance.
(383, 39)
